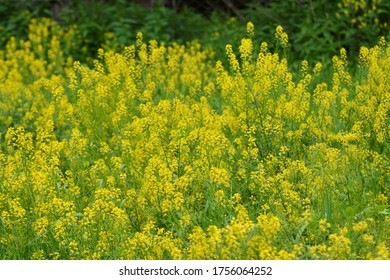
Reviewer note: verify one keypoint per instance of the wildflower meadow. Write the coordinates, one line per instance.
(166, 151)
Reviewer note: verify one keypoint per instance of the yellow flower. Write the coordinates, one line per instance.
(250, 29)
(382, 198)
(281, 36)
(360, 226)
(40, 225)
(220, 176)
(324, 225)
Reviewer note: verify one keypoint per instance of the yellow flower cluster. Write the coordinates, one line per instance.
(158, 153)
(281, 36)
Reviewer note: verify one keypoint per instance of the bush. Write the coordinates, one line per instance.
(317, 29)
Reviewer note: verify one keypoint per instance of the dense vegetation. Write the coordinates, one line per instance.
(228, 147)
(317, 29)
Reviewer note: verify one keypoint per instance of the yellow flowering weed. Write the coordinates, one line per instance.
(156, 152)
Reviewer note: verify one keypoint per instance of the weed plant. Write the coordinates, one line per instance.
(158, 152)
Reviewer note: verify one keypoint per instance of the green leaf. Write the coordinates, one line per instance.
(300, 232)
